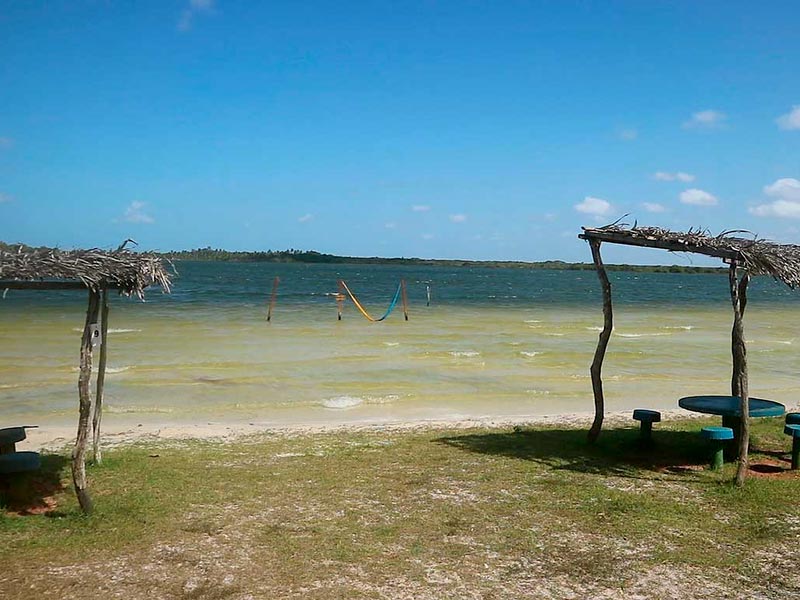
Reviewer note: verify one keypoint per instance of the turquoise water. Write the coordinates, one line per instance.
(493, 342)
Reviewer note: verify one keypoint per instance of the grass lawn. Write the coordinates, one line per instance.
(489, 513)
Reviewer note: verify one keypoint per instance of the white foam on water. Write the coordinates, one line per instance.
(341, 402)
(124, 331)
(464, 353)
(113, 370)
(594, 329)
(532, 321)
(122, 410)
(536, 392)
(684, 327)
(641, 335)
(530, 354)
(555, 334)
(785, 342)
(391, 344)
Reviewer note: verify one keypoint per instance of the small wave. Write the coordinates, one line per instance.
(124, 331)
(555, 334)
(340, 402)
(683, 327)
(785, 342)
(532, 321)
(113, 370)
(464, 353)
(535, 392)
(594, 329)
(529, 354)
(123, 410)
(391, 344)
(641, 335)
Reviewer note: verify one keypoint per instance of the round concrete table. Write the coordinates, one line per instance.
(728, 408)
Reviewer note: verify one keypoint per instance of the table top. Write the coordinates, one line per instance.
(728, 406)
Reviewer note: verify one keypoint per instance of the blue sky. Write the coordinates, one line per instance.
(481, 130)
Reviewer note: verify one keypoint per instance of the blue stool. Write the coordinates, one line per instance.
(793, 418)
(19, 462)
(794, 431)
(646, 418)
(718, 436)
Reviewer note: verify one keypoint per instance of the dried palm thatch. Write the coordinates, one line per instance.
(758, 256)
(129, 272)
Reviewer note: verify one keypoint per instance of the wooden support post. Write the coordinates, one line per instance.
(739, 379)
(273, 297)
(85, 407)
(428, 295)
(602, 343)
(404, 297)
(339, 300)
(101, 381)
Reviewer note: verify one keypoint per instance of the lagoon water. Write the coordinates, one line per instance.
(495, 341)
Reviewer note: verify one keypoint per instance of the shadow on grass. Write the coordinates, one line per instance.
(617, 451)
(33, 493)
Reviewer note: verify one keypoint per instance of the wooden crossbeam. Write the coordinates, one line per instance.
(620, 238)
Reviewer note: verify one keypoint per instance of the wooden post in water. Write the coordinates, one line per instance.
(404, 296)
(273, 297)
(428, 294)
(339, 300)
(739, 379)
(602, 343)
(101, 380)
(85, 407)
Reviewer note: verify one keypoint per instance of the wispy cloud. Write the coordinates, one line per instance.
(653, 207)
(698, 197)
(706, 119)
(190, 12)
(6, 142)
(790, 120)
(679, 176)
(427, 236)
(628, 135)
(596, 207)
(305, 218)
(458, 218)
(420, 208)
(787, 200)
(135, 213)
(4, 198)
(390, 225)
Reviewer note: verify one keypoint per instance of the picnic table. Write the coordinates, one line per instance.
(729, 408)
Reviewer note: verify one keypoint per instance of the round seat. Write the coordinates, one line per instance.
(793, 418)
(19, 462)
(11, 435)
(646, 416)
(792, 430)
(717, 433)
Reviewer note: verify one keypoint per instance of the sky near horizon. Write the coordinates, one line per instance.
(476, 130)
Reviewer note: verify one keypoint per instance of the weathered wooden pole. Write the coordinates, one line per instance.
(602, 342)
(428, 295)
(85, 406)
(339, 300)
(101, 381)
(273, 297)
(739, 380)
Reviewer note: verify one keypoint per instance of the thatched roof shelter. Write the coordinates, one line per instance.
(745, 257)
(47, 268)
(98, 271)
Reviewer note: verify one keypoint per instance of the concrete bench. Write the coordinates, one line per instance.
(793, 430)
(646, 419)
(717, 436)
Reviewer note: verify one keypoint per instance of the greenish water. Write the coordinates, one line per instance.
(493, 342)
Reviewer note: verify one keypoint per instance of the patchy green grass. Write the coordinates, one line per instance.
(485, 513)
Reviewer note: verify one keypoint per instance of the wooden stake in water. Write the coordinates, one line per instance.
(273, 297)
(404, 297)
(428, 294)
(339, 300)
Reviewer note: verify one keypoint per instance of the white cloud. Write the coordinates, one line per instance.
(4, 198)
(194, 8)
(390, 225)
(420, 208)
(787, 203)
(628, 135)
(679, 176)
(653, 207)
(594, 206)
(458, 218)
(6, 142)
(305, 218)
(698, 197)
(427, 236)
(706, 119)
(790, 120)
(135, 213)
